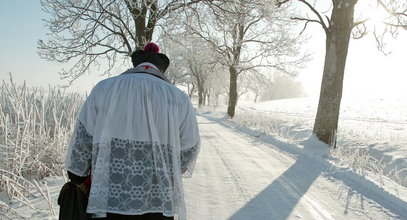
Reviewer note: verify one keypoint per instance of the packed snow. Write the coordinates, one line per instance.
(375, 125)
(265, 164)
(240, 176)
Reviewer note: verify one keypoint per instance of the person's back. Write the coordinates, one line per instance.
(138, 134)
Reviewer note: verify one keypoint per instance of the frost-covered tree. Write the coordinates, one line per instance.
(338, 23)
(246, 35)
(283, 87)
(193, 60)
(193, 63)
(254, 82)
(216, 86)
(270, 86)
(91, 32)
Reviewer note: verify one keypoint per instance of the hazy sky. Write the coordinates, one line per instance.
(21, 26)
(367, 71)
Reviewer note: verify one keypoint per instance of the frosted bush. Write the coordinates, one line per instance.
(292, 129)
(35, 127)
(353, 142)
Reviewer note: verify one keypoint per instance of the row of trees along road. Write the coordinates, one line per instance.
(214, 37)
(339, 23)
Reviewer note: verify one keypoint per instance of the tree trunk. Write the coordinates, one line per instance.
(337, 43)
(143, 31)
(217, 99)
(139, 16)
(200, 86)
(208, 97)
(200, 95)
(232, 91)
(152, 20)
(205, 96)
(191, 89)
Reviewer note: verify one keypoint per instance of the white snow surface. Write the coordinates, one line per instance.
(240, 176)
(377, 125)
(244, 174)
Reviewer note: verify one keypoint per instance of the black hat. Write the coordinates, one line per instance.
(151, 54)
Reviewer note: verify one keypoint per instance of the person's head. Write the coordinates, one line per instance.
(151, 54)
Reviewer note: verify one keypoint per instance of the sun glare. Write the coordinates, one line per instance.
(374, 13)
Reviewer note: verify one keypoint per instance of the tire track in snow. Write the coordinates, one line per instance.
(234, 176)
(212, 193)
(238, 177)
(230, 155)
(315, 209)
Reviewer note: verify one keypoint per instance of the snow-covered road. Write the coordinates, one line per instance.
(238, 177)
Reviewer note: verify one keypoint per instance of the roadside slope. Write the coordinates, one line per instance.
(242, 177)
(238, 177)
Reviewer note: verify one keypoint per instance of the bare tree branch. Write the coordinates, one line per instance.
(359, 31)
(103, 30)
(321, 20)
(360, 22)
(280, 3)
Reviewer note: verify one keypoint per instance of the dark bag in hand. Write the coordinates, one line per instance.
(73, 202)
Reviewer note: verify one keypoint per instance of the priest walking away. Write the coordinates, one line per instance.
(136, 136)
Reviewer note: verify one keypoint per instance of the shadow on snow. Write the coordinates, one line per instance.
(278, 200)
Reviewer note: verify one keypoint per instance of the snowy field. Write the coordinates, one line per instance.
(241, 175)
(265, 164)
(374, 127)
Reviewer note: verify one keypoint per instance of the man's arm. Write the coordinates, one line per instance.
(190, 142)
(79, 156)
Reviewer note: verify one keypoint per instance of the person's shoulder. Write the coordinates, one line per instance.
(101, 85)
(105, 82)
(108, 80)
(179, 92)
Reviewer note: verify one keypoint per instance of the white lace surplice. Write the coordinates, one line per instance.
(137, 133)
